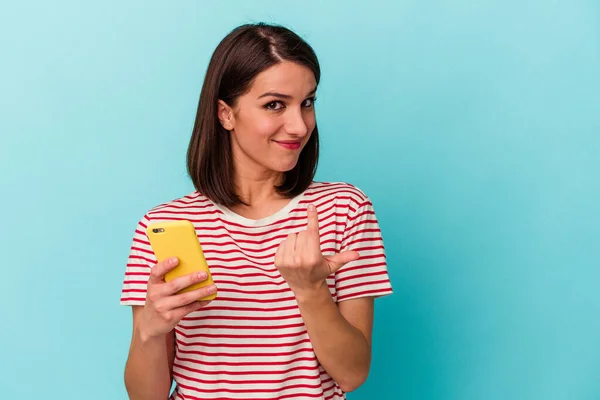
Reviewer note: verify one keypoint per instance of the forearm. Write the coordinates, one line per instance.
(342, 349)
(147, 372)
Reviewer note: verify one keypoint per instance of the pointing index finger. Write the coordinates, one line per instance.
(313, 220)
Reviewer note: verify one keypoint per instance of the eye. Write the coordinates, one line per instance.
(310, 102)
(274, 105)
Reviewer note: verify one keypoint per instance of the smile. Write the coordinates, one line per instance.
(290, 145)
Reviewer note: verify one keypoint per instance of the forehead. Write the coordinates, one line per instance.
(286, 78)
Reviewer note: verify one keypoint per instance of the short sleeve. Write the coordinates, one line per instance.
(367, 276)
(139, 263)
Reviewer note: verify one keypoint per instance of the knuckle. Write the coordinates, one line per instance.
(172, 286)
(152, 296)
(297, 260)
(207, 290)
(169, 317)
(190, 297)
(159, 308)
(156, 268)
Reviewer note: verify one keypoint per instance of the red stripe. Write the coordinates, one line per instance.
(240, 336)
(253, 292)
(248, 318)
(322, 207)
(242, 391)
(182, 350)
(342, 288)
(352, 218)
(361, 276)
(212, 307)
(346, 270)
(216, 272)
(337, 392)
(133, 299)
(280, 397)
(249, 275)
(374, 239)
(144, 242)
(129, 273)
(134, 290)
(249, 300)
(192, 205)
(149, 261)
(244, 382)
(370, 257)
(210, 259)
(245, 372)
(243, 345)
(377, 292)
(368, 248)
(248, 283)
(362, 232)
(289, 326)
(201, 361)
(326, 187)
(146, 251)
(126, 282)
(228, 290)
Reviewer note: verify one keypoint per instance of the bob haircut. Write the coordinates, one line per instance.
(244, 53)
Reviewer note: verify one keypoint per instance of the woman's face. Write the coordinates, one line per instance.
(271, 123)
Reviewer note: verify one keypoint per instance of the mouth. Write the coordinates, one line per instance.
(289, 144)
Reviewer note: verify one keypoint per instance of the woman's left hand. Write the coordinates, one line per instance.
(300, 261)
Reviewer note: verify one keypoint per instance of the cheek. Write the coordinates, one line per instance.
(311, 123)
(259, 127)
(268, 127)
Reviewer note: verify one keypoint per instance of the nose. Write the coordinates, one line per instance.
(295, 124)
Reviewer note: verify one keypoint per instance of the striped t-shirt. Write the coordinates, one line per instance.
(250, 342)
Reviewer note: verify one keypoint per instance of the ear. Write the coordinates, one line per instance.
(225, 115)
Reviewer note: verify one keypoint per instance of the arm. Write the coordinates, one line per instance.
(341, 336)
(149, 368)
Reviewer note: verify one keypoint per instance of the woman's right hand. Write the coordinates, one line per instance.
(164, 307)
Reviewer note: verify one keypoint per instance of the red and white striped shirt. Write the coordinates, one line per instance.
(251, 342)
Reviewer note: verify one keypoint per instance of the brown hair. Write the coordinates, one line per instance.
(244, 53)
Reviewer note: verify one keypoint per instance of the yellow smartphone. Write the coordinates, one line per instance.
(178, 239)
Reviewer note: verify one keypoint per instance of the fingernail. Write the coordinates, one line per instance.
(212, 289)
(202, 275)
(311, 207)
(173, 261)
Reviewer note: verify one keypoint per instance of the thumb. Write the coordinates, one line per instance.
(337, 261)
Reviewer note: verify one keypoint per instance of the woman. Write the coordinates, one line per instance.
(297, 263)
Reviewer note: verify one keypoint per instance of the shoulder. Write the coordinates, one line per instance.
(191, 203)
(338, 192)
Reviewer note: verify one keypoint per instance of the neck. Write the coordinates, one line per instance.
(256, 188)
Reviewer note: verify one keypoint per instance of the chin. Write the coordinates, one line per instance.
(285, 167)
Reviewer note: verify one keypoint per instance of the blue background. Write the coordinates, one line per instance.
(473, 126)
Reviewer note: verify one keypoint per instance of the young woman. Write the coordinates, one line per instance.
(297, 263)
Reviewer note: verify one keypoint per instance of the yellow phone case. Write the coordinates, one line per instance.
(178, 239)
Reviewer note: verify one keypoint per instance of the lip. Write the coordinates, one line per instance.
(289, 144)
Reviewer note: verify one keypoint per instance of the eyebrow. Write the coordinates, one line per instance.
(284, 96)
